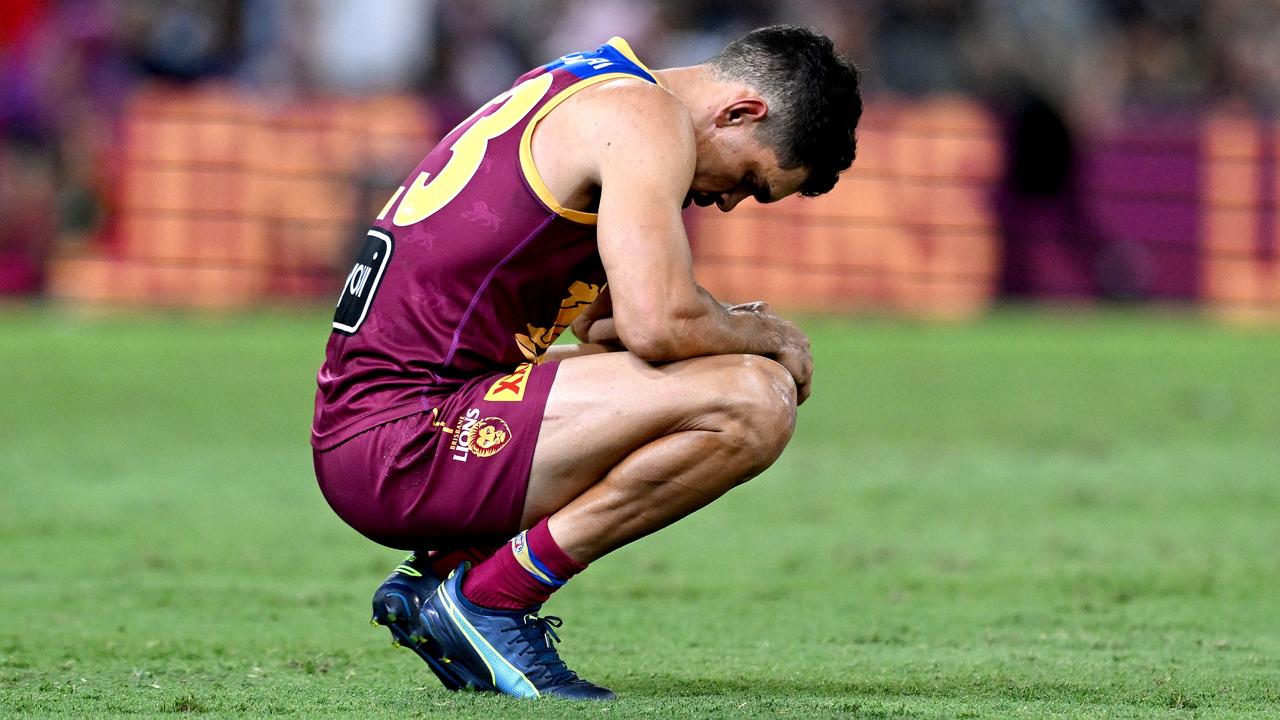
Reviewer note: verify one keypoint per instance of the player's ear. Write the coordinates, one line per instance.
(742, 111)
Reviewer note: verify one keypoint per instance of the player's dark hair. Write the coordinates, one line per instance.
(813, 97)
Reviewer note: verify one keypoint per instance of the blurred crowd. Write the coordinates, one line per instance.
(57, 55)
(66, 66)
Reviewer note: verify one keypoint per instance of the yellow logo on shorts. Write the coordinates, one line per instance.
(489, 436)
(510, 388)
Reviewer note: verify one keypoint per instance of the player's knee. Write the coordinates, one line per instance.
(764, 409)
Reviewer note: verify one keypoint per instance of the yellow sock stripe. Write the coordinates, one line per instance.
(526, 562)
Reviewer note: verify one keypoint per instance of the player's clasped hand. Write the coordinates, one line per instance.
(796, 358)
(794, 355)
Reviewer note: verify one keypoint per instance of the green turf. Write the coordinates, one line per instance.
(1030, 516)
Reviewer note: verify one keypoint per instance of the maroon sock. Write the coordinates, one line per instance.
(443, 562)
(521, 574)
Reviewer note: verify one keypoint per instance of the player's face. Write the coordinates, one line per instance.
(742, 167)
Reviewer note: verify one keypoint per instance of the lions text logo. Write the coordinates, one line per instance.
(478, 436)
(509, 388)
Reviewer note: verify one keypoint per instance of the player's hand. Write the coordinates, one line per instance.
(796, 357)
(603, 332)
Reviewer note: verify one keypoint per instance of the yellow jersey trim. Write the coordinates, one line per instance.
(530, 170)
(624, 47)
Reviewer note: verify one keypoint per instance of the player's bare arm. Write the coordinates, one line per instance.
(645, 157)
(595, 325)
(622, 122)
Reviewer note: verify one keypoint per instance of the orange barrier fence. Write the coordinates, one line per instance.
(1241, 227)
(909, 229)
(227, 200)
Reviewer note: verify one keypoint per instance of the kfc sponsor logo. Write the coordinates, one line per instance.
(510, 388)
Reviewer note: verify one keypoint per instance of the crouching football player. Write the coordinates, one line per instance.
(446, 423)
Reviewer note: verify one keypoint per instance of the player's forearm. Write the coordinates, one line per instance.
(704, 327)
(730, 330)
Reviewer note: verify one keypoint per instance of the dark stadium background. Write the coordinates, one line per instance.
(1039, 475)
(220, 153)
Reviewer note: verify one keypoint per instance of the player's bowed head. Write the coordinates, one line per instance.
(812, 98)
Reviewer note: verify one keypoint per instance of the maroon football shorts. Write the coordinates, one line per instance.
(452, 477)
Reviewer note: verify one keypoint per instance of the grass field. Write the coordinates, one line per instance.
(1030, 516)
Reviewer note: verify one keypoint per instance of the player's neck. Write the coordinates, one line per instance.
(694, 86)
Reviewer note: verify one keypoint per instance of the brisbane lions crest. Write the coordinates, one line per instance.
(489, 436)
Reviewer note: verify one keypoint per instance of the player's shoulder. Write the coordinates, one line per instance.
(632, 94)
(636, 111)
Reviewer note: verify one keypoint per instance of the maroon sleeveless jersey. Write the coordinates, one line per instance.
(472, 267)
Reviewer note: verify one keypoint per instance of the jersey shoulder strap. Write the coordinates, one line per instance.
(611, 61)
(614, 56)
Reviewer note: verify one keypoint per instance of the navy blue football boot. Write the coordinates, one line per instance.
(397, 604)
(510, 650)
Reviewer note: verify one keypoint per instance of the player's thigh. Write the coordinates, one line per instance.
(602, 407)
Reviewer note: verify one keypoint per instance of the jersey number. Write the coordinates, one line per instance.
(427, 194)
(362, 282)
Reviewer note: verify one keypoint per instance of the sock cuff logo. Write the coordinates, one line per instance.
(529, 561)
